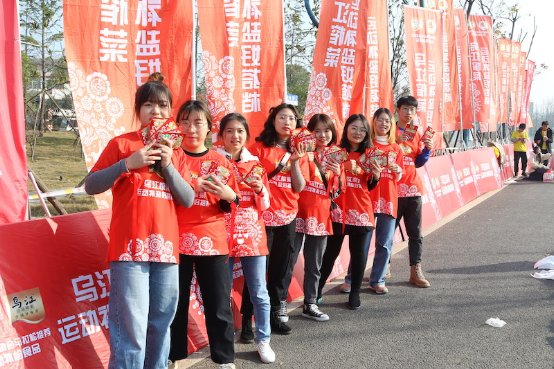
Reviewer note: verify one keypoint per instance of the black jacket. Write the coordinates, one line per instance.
(539, 138)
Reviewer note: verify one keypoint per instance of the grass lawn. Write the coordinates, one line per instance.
(59, 164)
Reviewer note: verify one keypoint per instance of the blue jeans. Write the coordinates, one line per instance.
(384, 233)
(143, 301)
(253, 269)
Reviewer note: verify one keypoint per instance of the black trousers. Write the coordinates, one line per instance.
(409, 208)
(520, 155)
(358, 259)
(215, 285)
(280, 264)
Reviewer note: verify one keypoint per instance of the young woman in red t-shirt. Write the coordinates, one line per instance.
(248, 239)
(354, 216)
(143, 247)
(203, 241)
(287, 171)
(385, 195)
(313, 221)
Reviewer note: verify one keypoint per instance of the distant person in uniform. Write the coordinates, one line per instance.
(519, 138)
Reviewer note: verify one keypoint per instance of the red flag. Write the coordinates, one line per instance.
(481, 58)
(339, 66)
(464, 92)
(13, 165)
(423, 34)
(514, 73)
(243, 58)
(112, 47)
(529, 73)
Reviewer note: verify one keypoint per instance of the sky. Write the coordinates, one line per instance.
(542, 51)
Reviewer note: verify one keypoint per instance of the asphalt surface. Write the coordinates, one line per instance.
(479, 265)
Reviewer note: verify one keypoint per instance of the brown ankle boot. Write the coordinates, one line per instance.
(417, 278)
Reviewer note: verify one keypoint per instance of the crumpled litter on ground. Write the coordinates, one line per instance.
(495, 322)
(545, 263)
(543, 274)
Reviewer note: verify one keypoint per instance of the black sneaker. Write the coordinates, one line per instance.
(311, 311)
(277, 326)
(354, 302)
(246, 334)
(283, 312)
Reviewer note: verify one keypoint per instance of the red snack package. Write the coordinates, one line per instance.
(429, 133)
(410, 131)
(161, 128)
(391, 157)
(303, 135)
(213, 170)
(257, 172)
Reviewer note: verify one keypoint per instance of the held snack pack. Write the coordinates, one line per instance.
(373, 155)
(257, 172)
(162, 128)
(429, 133)
(410, 131)
(212, 170)
(303, 135)
(340, 155)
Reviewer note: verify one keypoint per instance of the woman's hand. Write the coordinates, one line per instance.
(333, 166)
(213, 185)
(376, 169)
(428, 143)
(256, 184)
(143, 157)
(395, 168)
(166, 149)
(299, 151)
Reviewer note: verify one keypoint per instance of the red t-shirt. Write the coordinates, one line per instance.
(385, 195)
(355, 207)
(144, 219)
(202, 226)
(314, 204)
(410, 184)
(284, 201)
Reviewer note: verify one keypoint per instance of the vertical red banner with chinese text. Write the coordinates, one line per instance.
(424, 59)
(529, 73)
(514, 73)
(13, 165)
(482, 77)
(504, 58)
(521, 87)
(378, 87)
(112, 47)
(338, 78)
(243, 58)
(464, 71)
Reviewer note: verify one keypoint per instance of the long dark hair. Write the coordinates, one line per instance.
(327, 123)
(269, 136)
(365, 144)
(154, 90)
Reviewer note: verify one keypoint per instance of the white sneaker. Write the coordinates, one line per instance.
(267, 355)
(311, 311)
(227, 366)
(283, 313)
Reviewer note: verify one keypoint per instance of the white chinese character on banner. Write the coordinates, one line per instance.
(250, 55)
(372, 23)
(337, 35)
(251, 9)
(347, 74)
(350, 38)
(103, 312)
(252, 32)
(348, 56)
(373, 66)
(89, 323)
(342, 12)
(113, 45)
(231, 8)
(144, 68)
(69, 330)
(148, 43)
(374, 97)
(374, 81)
(372, 38)
(332, 57)
(251, 102)
(346, 92)
(372, 52)
(114, 12)
(147, 12)
(27, 351)
(233, 32)
(84, 288)
(103, 279)
(421, 90)
(250, 79)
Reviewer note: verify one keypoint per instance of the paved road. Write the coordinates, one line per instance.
(479, 265)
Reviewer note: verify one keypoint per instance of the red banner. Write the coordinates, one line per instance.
(529, 73)
(444, 183)
(378, 88)
(13, 165)
(482, 77)
(423, 34)
(521, 87)
(514, 78)
(461, 162)
(464, 71)
(112, 47)
(339, 68)
(450, 105)
(504, 60)
(243, 58)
